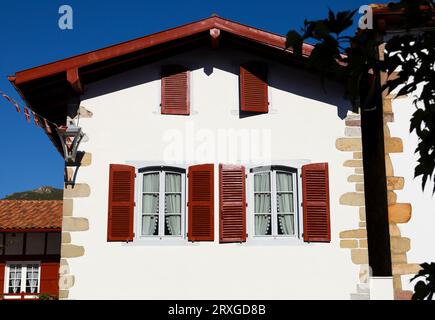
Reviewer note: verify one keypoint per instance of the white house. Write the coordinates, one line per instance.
(214, 165)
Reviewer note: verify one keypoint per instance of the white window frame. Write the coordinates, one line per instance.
(274, 214)
(161, 214)
(23, 277)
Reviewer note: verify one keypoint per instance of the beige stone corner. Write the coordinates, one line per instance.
(358, 178)
(66, 237)
(72, 251)
(359, 256)
(349, 244)
(362, 225)
(86, 160)
(349, 144)
(352, 131)
(363, 243)
(359, 187)
(395, 183)
(388, 117)
(75, 224)
(387, 105)
(352, 199)
(391, 197)
(63, 294)
(408, 268)
(387, 133)
(67, 207)
(352, 122)
(353, 163)
(357, 155)
(399, 258)
(397, 283)
(394, 230)
(400, 245)
(77, 190)
(393, 145)
(66, 282)
(389, 171)
(354, 234)
(399, 212)
(362, 213)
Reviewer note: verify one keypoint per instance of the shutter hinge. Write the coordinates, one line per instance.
(135, 175)
(246, 176)
(302, 204)
(135, 203)
(246, 204)
(134, 235)
(187, 203)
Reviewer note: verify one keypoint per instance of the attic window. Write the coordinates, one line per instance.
(175, 90)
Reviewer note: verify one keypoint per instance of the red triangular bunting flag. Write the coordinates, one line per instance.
(47, 126)
(27, 114)
(35, 117)
(11, 101)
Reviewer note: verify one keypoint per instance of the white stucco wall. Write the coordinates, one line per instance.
(127, 126)
(420, 229)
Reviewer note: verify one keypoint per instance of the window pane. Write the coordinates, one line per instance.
(150, 225)
(284, 181)
(262, 182)
(285, 202)
(150, 203)
(262, 203)
(173, 203)
(35, 243)
(286, 224)
(14, 285)
(151, 182)
(173, 225)
(262, 225)
(32, 278)
(172, 182)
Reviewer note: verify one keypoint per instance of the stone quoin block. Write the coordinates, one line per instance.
(400, 245)
(394, 230)
(75, 224)
(354, 234)
(393, 145)
(356, 178)
(66, 237)
(349, 244)
(352, 131)
(395, 183)
(359, 256)
(349, 144)
(399, 212)
(352, 199)
(66, 282)
(406, 268)
(76, 191)
(353, 163)
(389, 171)
(67, 207)
(357, 155)
(72, 251)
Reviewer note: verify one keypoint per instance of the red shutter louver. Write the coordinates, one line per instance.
(2, 277)
(232, 202)
(121, 203)
(315, 189)
(175, 90)
(49, 278)
(254, 88)
(201, 203)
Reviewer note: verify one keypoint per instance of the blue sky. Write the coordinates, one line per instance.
(30, 37)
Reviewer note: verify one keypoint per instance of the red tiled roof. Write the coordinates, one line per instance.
(30, 214)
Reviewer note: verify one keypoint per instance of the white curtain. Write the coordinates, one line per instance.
(151, 182)
(173, 203)
(149, 225)
(285, 202)
(262, 225)
(286, 224)
(284, 181)
(262, 193)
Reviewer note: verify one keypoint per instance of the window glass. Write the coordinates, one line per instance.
(274, 208)
(172, 204)
(23, 277)
(150, 204)
(32, 278)
(14, 285)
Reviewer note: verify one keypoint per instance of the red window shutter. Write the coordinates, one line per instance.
(315, 189)
(2, 277)
(232, 202)
(175, 90)
(201, 203)
(49, 278)
(121, 203)
(254, 88)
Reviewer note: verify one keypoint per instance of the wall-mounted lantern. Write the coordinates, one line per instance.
(70, 137)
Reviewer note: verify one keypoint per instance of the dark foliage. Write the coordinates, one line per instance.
(425, 289)
(356, 59)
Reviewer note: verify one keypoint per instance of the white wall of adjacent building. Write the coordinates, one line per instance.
(420, 229)
(302, 126)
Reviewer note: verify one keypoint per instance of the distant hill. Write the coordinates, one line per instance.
(43, 193)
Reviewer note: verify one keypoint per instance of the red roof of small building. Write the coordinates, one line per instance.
(30, 214)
